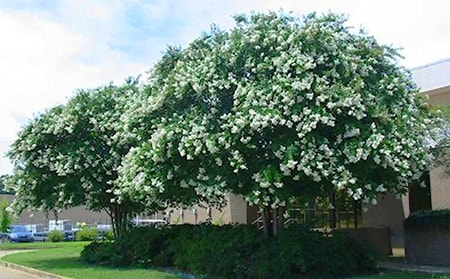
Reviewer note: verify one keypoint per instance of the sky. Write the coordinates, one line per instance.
(51, 48)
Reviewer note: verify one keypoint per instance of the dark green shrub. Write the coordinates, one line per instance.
(218, 251)
(103, 253)
(429, 218)
(235, 252)
(140, 246)
(301, 252)
(56, 236)
(87, 234)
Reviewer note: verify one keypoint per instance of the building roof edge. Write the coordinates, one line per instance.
(444, 60)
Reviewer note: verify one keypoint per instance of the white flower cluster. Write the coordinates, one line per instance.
(70, 154)
(286, 110)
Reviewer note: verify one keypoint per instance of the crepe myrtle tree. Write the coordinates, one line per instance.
(68, 156)
(441, 145)
(166, 118)
(278, 108)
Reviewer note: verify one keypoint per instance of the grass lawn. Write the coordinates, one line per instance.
(62, 258)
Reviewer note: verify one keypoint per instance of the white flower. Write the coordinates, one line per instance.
(352, 133)
(291, 164)
(357, 194)
(381, 188)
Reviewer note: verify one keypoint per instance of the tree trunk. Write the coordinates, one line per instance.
(278, 220)
(273, 221)
(119, 219)
(113, 221)
(332, 212)
(266, 218)
(281, 211)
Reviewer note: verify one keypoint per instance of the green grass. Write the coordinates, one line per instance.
(63, 259)
(38, 245)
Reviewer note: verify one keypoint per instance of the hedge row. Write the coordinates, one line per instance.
(427, 219)
(235, 252)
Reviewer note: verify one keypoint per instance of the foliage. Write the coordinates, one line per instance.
(69, 155)
(441, 147)
(234, 252)
(427, 219)
(87, 234)
(2, 184)
(107, 235)
(218, 251)
(6, 217)
(55, 236)
(278, 107)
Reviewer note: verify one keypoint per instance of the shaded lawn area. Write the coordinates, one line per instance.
(63, 258)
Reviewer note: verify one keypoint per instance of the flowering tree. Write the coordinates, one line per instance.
(176, 124)
(277, 108)
(69, 155)
(2, 184)
(441, 146)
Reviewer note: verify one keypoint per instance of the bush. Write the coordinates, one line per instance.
(101, 253)
(6, 218)
(56, 236)
(429, 218)
(87, 234)
(235, 252)
(303, 252)
(218, 251)
(107, 235)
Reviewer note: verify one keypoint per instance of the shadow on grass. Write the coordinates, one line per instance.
(47, 263)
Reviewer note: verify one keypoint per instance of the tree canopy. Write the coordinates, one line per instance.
(441, 146)
(276, 108)
(69, 155)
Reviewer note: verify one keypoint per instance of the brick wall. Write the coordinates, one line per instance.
(76, 214)
(428, 245)
(377, 238)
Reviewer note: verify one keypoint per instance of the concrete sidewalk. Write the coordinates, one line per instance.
(9, 273)
(402, 266)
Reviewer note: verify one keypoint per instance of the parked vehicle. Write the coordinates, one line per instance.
(149, 222)
(69, 235)
(17, 233)
(43, 236)
(40, 236)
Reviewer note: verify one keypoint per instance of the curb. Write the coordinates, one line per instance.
(29, 270)
(414, 268)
